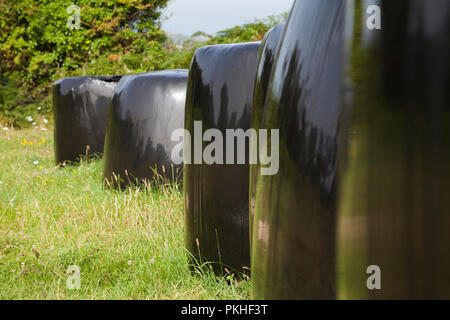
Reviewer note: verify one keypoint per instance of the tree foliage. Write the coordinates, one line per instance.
(254, 31)
(37, 46)
(114, 37)
(36, 40)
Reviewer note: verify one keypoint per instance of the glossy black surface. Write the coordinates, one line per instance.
(80, 110)
(394, 201)
(266, 59)
(364, 118)
(293, 242)
(145, 110)
(220, 95)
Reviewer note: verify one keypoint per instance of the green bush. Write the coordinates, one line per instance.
(19, 100)
(115, 37)
(37, 46)
(248, 32)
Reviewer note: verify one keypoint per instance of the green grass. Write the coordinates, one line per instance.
(128, 245)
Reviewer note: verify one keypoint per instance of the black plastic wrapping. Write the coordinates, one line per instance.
(80, 110)
(146, 109)
(293, 242)
(364, 155)
(394, 199)
(220, 95)
(266, 58)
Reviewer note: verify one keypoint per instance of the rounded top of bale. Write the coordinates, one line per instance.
(222, 78)
(65, 85)
(172, 73)
(225, 55)
(225, 61)
(230, 45)
(84, 78)
(222, 50)
(272, 37)
(267, 54)
(138, 84)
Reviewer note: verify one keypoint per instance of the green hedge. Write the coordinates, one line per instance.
(37, 47)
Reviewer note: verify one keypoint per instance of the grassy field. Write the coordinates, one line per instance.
(128, 245)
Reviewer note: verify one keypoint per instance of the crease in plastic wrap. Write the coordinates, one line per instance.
(80, 110)
(219, 96)
(145, 110)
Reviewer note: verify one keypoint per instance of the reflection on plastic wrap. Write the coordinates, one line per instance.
(267, 53)
(80, 109)
(146, 109)
(361, 198)
(220, 95)
(293, 242)
(394, 207)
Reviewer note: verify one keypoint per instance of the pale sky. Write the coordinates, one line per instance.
(210, 16)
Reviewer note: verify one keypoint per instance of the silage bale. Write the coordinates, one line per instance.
(80, 110)
(220, 96)
(145, 110)
(362, 104)
(293, 240)
(394, 199)
(267, 52)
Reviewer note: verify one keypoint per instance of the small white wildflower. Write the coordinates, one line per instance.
(1, 182)
(45, 121)
(29, 119)
(39, 108)
(36, 162)
(44, 129)
(130, 262)
(5, 128)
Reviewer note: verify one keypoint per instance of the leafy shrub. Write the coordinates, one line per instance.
(37, 46)
(248, 32)
(115, 37)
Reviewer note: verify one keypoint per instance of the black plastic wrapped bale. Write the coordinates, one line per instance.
(364, 118)
(146, 109)
(293, 239)
(80, 110)
(219, 96)
(267, 54)
(394, 201)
